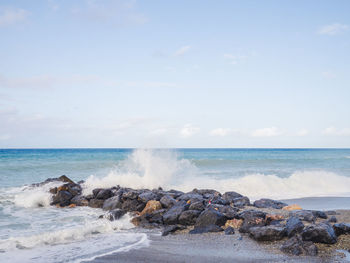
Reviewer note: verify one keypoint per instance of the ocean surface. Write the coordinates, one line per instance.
(32, 231)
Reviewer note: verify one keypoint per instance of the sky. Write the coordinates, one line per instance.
(168, 74)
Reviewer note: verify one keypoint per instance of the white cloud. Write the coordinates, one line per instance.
(303, 132)
(333, 29)
(220, 132)
(189, 130)
(266, 132)
(13, 16)
(234, 59)
(157, 132)
(336, 132)
(181, 51)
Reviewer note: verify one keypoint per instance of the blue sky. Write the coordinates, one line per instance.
(174, 73)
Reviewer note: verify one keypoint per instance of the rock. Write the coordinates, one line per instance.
(296, 246)
(294, 226)
(62, 198)
(170, 229)
(240, 201)
(188, 217)
(171, 216)
(319, 214)
(228, 211)
(131, 205)
(131, 194)
(267, 233)
(72, 205)
(341, 228)
(218, 200)
(304, 215)
(267, 203)
(174, 193)
(147, 196)
(96, 203)
(210, 217)
(206, 229)
(53, 190)
(292, 207)
(112, 203)
(230, 196)
(331, 213)
(151, 206)
(251, 218)
(167, 201)
(95, 191)
(206, 192)
(234, 223)
(273, 217)
(319, 233)
(156, 216)
(104, 194)
(115, 214)
(192, 196)
(333, 219)
(229, 231)
(79, 200)
(65, 179)
(198, 205)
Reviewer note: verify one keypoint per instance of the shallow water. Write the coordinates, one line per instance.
(31, 230)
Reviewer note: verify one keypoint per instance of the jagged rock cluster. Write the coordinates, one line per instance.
(207, 210)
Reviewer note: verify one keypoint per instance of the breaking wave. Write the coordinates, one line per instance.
(159, 168)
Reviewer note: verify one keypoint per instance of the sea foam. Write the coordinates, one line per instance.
(160, 168)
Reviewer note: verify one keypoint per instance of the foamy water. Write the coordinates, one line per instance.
(33, 231)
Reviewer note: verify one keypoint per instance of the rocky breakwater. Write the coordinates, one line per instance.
(294, 230)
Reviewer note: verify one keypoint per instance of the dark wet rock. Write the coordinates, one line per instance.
(147, 196)
(192, 196)
(304, 215)
(171, 229)
(174, 193)
(131, 205)
(267, 233)
(155, 216)
(132, 194)
(267, 203)
(319, 214)
(167, 201)
(74, 189)
(112, 203)
(293, 226)
(229, 211)
(53, 190)
(62, 198)
(89, 197)
(104, 194)
(79, 200)
(96, 203)
(251, 218)
(218, 200)
(332, 219)
(331, 213)
(296, 246)
(341, 228)
(115, 214)
(206, 192)
(65, 179)
(319, 233)
(172, 215)
(198, 205)
(210, 217)
(240, 201)
(280, 222)
(96, 191)
(230, 196)
(206, 229)
(229, 231)
(188, 217)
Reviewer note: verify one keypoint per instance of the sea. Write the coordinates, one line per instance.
(33, 231)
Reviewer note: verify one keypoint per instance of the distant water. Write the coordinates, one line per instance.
(31, 230)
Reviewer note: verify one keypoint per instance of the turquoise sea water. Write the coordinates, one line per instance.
(31, 230)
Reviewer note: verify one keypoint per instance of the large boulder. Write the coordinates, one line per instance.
(198, 205)
(240, 201)
(190, 196)
(172, 215)
(210, 217)
(206, 229)
(251, 218)
(230, 196)
(319, 233)
(79, 200)
(269, 203)
(294, 226)
(147, 196)
(62, 198)
(104, 194)
(341, 228)
(96, 203)
(188, 217)
(167, 201)
(115, 214)
(296, 246)
(267, 233)
(151, 206)
(319, 214)
(170, 229)
(304, 215)
(112, 203)
(131, 205)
